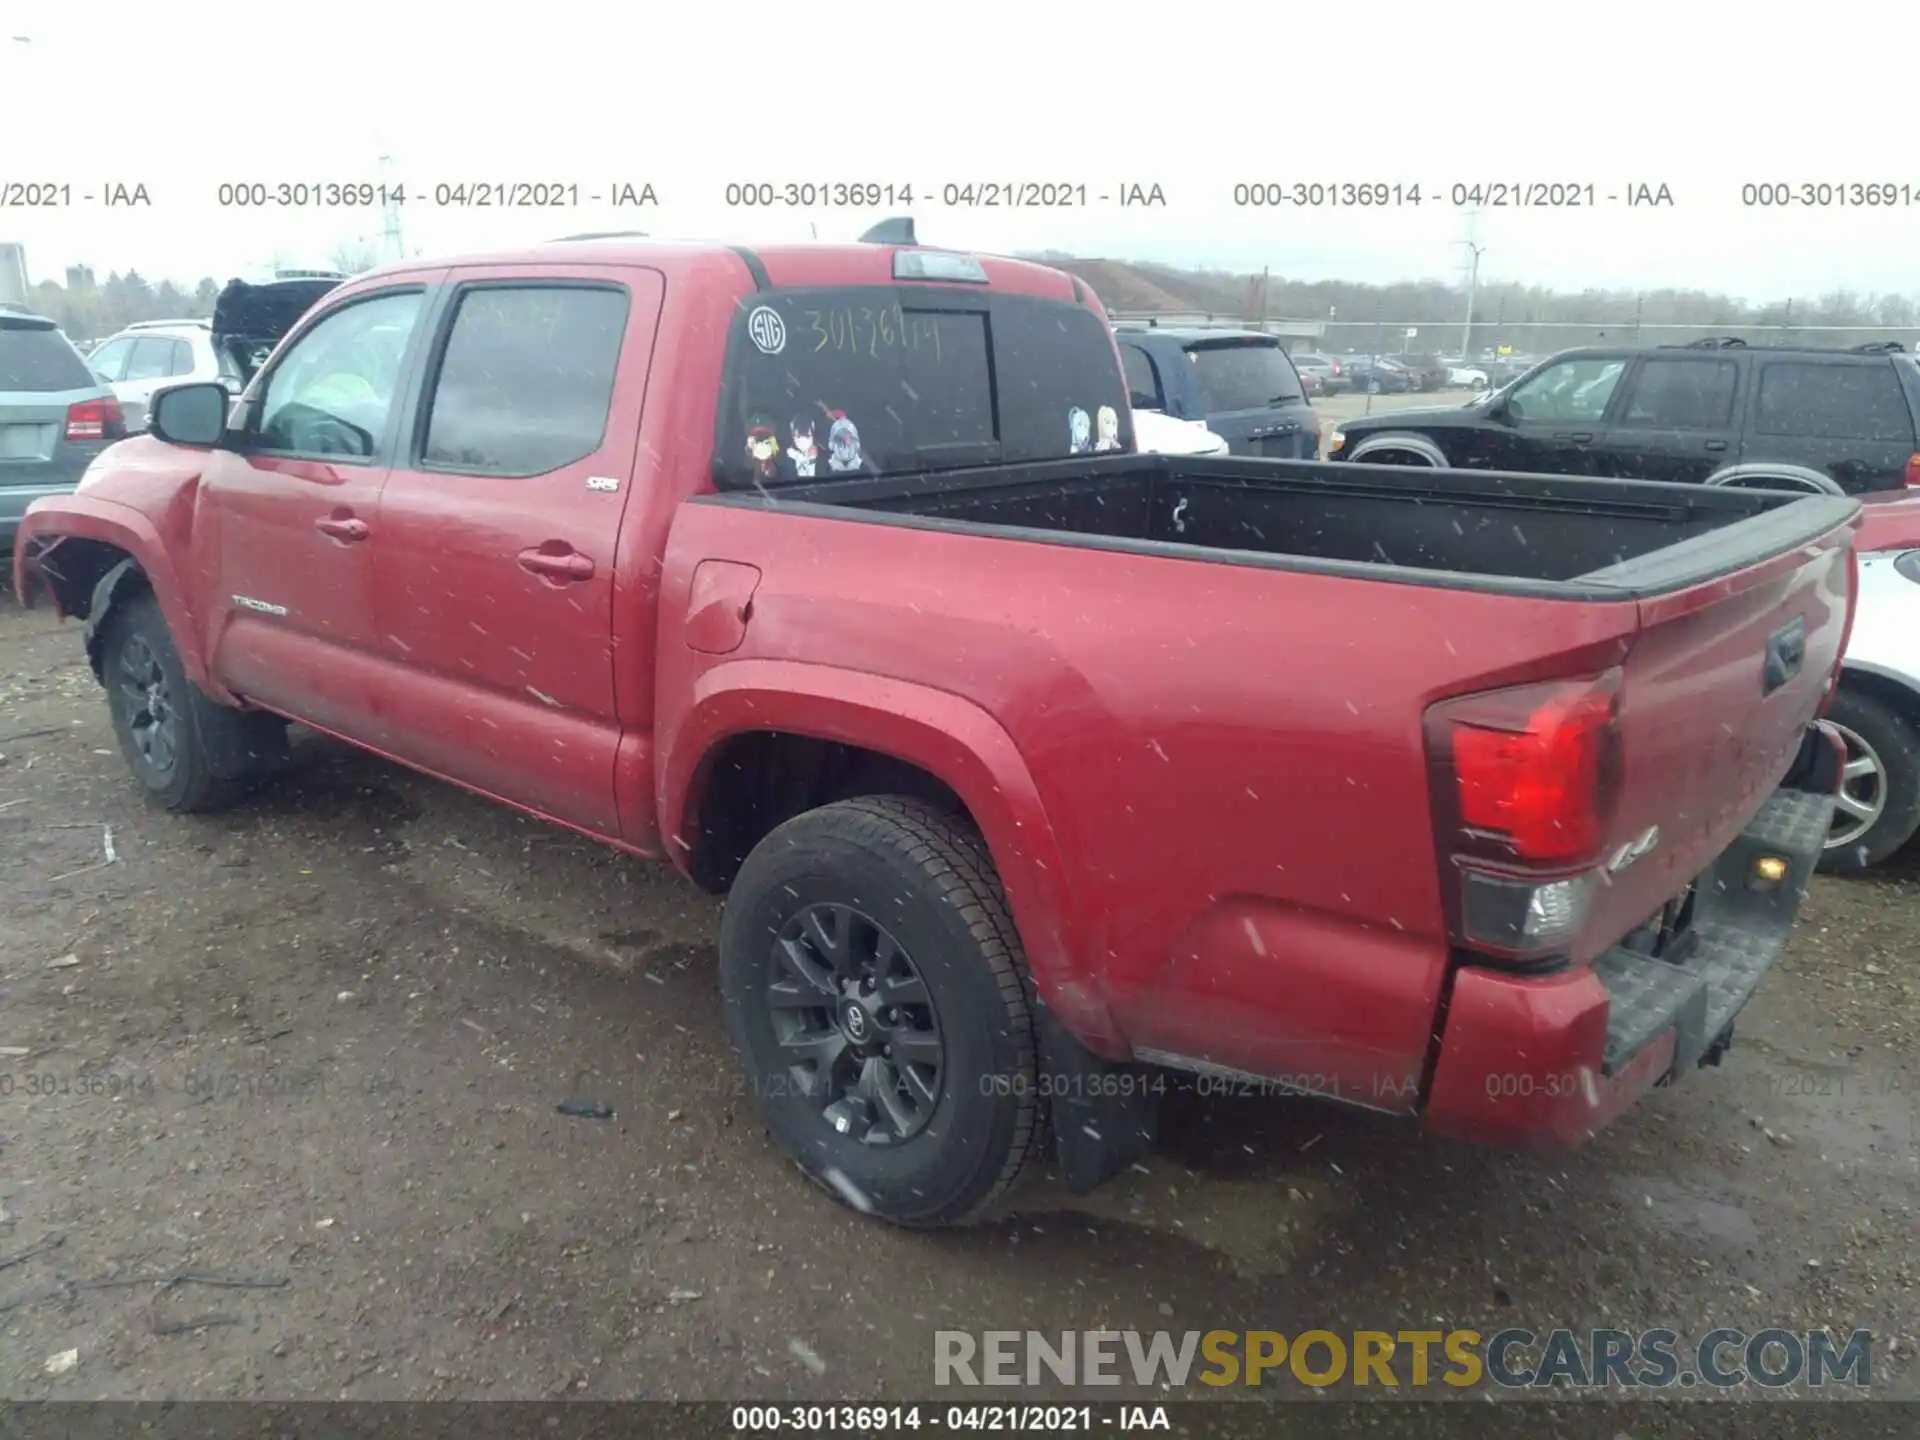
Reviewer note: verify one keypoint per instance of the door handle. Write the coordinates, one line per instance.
(1716, 444)
(563, 566)
(343, 528)
(1578, 437)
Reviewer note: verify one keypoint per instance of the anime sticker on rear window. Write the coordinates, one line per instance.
(1108, 422)
(1079, 431)
(803, 452)
(843, 444)
(763, 450)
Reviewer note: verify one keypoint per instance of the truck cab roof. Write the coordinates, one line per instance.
(788, 265)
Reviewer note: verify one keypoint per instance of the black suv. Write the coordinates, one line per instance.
(1240, 382)
(1715, 412)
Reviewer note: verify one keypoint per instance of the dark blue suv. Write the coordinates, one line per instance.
(1239, 382)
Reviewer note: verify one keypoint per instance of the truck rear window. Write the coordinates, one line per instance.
(889, 380)
(1244, 375)
(36, 357)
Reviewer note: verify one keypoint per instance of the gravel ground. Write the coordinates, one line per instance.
(315, 1046)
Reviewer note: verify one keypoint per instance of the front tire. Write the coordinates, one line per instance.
(876, 994)
(1879, 807)
(159, 718)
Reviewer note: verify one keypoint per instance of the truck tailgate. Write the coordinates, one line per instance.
(1719, 686)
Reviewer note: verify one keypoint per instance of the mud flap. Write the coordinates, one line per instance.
(1105, 1115)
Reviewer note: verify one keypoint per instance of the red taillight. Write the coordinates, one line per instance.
(96, 420)
(1535, 767)
(1913, 472)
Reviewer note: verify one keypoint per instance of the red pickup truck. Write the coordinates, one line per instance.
(1032, 767)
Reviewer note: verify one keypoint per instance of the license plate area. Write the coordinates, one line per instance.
(26, 442)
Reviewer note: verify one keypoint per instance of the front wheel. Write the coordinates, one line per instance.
(159, 718)
(1879, 801)
(876, 994)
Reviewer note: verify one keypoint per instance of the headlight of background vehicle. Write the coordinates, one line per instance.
(1908, 564)
(1337, 442)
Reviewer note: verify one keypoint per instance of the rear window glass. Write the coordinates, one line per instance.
(527, 379)
(1244, 376)
(1832, 402)
(888, 380)
(38, 357)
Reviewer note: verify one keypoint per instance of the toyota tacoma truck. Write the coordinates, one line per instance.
(1032, 767)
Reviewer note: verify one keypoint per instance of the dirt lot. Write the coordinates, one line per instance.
(316, 1045)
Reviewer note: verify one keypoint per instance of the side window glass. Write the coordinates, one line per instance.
(1572, 391)
(152, 358)
(182, 358)
(1832, 401)
(1143, 379)
(110, 360)
(333, 390)
(527, 379)
(1682, 395)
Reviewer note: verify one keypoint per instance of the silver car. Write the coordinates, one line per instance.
(55, 416)
(154, 354)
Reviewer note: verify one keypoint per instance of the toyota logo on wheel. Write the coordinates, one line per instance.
(856, 1023)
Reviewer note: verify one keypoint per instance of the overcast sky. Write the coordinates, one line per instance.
(182, 98)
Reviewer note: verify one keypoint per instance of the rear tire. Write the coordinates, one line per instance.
(160, 719)
(923, 1107)
(1880, 797)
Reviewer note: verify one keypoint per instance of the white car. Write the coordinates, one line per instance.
(153, 354)
(1157, 433)
(1878, 714)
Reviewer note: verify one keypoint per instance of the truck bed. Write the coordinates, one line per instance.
(1570, 538)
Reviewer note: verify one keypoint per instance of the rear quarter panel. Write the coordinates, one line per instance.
(1231, 758)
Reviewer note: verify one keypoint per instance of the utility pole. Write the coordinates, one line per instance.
(390, 213)
(1474, 252)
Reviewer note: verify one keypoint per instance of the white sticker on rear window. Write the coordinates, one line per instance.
(768, 330)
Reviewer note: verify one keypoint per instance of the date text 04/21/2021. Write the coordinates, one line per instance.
(963, 1419)
(953, 194)
(1461, 195)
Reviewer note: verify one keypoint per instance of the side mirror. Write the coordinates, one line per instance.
(193, 414)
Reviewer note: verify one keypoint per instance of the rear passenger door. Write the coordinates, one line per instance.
(1842, 416)
(1676, 422)
(499, 524)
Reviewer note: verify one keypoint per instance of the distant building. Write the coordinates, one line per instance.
(13, 275)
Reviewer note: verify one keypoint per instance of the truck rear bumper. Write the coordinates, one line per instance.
(1546, 1061)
